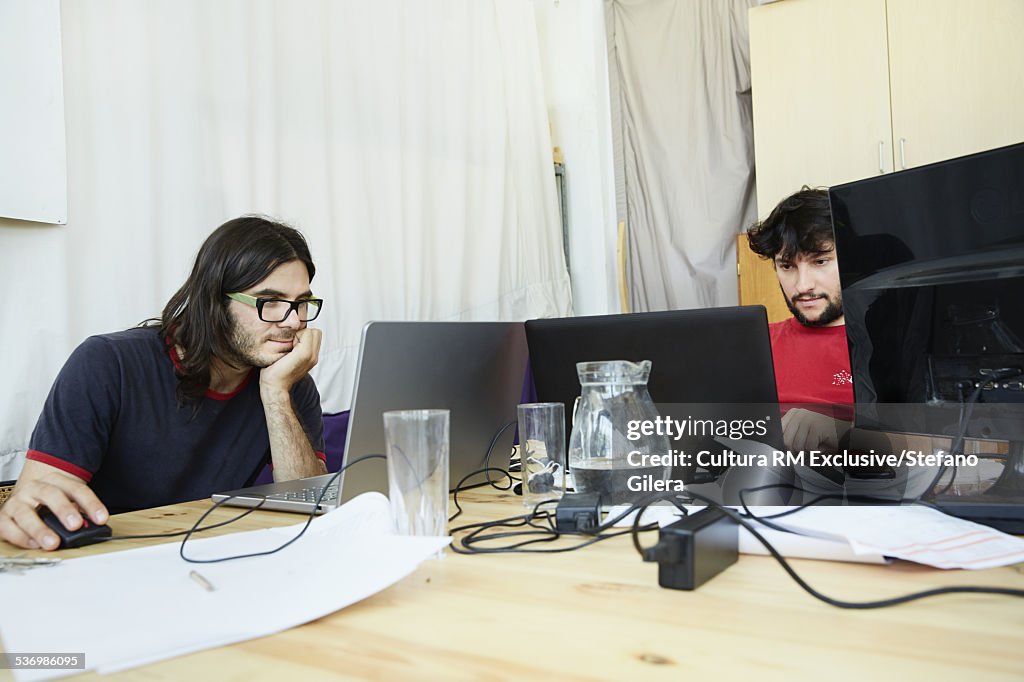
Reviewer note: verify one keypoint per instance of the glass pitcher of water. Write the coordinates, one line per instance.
(602, 457)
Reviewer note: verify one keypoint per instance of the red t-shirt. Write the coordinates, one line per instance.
(812, 364)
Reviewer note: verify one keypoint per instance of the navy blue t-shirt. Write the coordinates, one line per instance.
(113, 419)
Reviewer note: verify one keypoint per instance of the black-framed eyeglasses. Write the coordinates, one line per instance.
(278, 309)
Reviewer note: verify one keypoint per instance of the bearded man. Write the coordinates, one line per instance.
(809, 350)
(196, 401)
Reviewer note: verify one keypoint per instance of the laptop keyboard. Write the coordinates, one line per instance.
(307, 495)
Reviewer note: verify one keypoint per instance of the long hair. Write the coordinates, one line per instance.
(801, 223)
(239, 254)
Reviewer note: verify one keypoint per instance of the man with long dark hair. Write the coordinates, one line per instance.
(196, 401)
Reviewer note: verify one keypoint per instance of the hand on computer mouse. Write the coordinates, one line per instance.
(41, 485)
(88, 534)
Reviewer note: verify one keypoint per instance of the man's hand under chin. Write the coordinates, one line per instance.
(293, 365)
(290, 449)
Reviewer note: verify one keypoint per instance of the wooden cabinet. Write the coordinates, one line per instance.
(758, 284)
(956, 77)
(818, 71)
(847, 89)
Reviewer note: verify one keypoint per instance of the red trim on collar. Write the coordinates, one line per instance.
(210, 393)
(172, 351)
(58, 463)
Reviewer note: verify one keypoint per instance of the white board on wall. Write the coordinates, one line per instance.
(33, 160)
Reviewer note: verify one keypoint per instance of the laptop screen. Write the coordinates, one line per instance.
(473, 369)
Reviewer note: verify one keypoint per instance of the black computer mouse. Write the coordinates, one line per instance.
(86, 535)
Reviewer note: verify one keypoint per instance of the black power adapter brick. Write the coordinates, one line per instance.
(577, 512)
(695, 549)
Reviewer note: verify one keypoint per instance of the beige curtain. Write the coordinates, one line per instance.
(681, 121)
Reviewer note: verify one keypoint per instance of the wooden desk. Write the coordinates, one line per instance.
(598, 614)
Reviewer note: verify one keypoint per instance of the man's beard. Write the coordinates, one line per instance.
(245, 347)
(832, 312)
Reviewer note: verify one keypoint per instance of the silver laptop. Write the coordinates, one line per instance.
(473, 369)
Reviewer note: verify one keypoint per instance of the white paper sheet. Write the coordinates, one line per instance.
(134, 607)
(912, 532)
(789, 545)
(870, 534)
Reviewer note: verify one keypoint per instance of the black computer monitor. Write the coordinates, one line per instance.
(932, 267)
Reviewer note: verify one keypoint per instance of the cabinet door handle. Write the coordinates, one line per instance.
(881, 158)
(903, 154)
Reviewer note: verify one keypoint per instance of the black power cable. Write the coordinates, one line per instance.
(312, 514)
(487, 469)
(881, 603)
(194, 529)
(469, 544)
(197, 527)
(967, 409)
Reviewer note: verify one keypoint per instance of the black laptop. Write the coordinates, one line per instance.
(711, 363)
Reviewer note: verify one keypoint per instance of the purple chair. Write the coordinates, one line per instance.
(335, 432)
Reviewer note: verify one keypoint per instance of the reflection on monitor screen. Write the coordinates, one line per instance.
(932, 267)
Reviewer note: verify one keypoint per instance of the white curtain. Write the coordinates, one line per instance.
(407, 139)
(681, 120)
